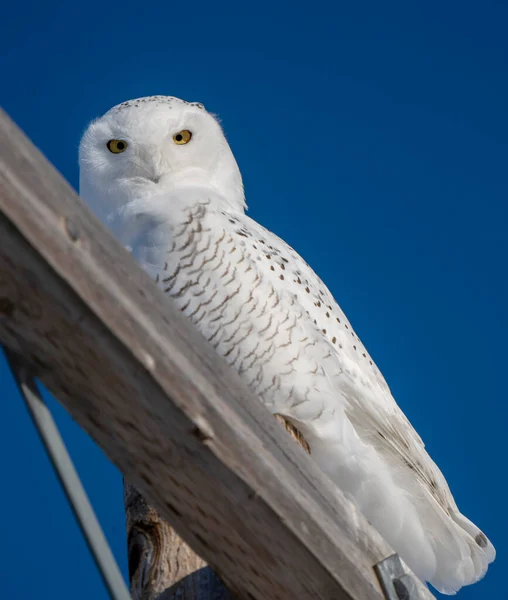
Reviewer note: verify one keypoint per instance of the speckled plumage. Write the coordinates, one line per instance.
(180, 209)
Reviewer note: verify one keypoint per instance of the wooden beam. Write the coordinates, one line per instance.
(165, 408)
(162, 566)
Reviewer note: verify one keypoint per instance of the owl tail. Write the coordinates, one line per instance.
(441, 547)
(463, 552)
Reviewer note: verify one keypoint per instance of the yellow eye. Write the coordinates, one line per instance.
(117, 146)
(182, 137)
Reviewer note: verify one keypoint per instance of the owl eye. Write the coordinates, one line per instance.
(182, 137)
(117, 146)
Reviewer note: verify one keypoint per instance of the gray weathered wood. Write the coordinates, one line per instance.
(162, 566)
(164, 407)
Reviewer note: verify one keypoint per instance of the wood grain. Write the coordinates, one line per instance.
(161, 564)
(167, 411)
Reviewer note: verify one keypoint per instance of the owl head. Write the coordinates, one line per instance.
(156, 148)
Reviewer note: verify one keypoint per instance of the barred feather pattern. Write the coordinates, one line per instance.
(272, 319)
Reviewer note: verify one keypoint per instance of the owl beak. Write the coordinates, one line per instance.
(155, 178)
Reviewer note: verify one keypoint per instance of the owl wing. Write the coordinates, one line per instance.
(461, 551)
(369, 404)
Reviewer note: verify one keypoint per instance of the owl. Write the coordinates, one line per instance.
(160, 174)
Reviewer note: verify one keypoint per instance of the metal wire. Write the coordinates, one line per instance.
(69, 479)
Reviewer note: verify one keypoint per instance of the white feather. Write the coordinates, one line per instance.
(180, 209)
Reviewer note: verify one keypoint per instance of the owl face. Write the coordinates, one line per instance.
(151, 146)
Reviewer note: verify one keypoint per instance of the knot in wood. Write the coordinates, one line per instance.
(202, 430)
(6, 307)
(71, 229)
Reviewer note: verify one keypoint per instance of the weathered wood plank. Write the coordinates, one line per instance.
(162, 566)
(164, 407)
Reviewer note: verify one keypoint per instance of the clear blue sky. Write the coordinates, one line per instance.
(373, 137)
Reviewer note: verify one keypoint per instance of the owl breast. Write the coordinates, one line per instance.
(215, 275)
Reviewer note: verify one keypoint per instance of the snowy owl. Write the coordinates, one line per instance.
(160, 174)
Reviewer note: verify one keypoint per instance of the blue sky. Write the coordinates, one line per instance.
(373, 137)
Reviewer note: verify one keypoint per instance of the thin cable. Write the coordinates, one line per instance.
(69, 479)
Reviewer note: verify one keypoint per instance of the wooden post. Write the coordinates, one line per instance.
(166, 409)
(162, 566)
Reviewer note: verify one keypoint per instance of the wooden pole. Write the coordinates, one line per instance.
(162, 566)
(167, 410)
